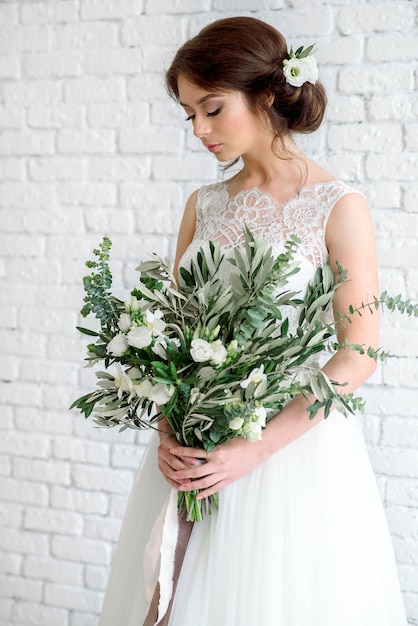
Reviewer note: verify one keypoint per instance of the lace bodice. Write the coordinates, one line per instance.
(221, 216)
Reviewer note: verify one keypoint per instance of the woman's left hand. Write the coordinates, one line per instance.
(225, 464)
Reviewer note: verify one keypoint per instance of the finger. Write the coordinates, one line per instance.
(196, 453)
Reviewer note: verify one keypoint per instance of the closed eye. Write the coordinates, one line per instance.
(210, 114)
(213, 113)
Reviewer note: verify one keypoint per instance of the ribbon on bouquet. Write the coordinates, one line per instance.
(161, 547)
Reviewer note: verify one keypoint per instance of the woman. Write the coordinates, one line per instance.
(300, 538)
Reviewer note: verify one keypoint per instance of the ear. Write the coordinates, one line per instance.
(270, 99)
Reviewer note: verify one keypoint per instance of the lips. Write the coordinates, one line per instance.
(213, 147)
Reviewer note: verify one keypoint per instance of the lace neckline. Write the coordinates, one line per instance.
(264, 193)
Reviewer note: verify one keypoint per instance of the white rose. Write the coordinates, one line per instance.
(219, 352)
(236, 423)
(299, 71)
(161, 394)
(118, 345)
(201, 351)
(125, 322)
(144, 388)
(139, 337)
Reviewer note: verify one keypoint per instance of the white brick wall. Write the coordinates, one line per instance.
(90, 144)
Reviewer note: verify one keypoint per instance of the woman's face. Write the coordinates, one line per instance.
(223, 121)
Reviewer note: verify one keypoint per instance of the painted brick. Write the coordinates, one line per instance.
(151, 141)
(46, 169)
(32, 93)
(152, 31)
(81, 550)
(71, 598)
(393, 47)
(103, 479)
(63, 116)
(374, 16)
(73, 36)
(85, 142)
(119, 168)
(51, 65)
(400, 107)
(305, 23)
(36, 613)
(17, 587)
(24, 542)
(378, 138)
(147, 87)
(107, 9)
(47, 12)
(30, 142)
(120, 61)
(26, 38)
(10, 67)
(11, 117)
(92, 89)
(73, 499)
(53, 472)
(392, 166)
(53, 570)
(118, 115)
(374, 78)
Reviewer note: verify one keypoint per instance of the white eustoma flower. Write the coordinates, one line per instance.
(122, 382)
(154, 321)
(144, 388)
(134, 304)
(219, 352)
(256, 376)
(194, 394)
(139, 337)
(201, 351)
(252, 431)
(236, 423)
(125, 322)
(161, 394)
(260, 415)
(299, 71)
(159, 348)
(118, 345)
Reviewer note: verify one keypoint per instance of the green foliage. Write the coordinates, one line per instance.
(97, 284)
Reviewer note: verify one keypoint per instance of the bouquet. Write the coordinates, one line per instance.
(217, 361)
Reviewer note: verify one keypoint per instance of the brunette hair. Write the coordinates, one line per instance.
(245, 54)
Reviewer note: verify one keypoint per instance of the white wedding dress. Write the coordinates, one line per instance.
(302, 540)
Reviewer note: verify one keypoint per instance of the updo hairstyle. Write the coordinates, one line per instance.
(245, 54)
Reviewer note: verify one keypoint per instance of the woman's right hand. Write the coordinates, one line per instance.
(169, 463)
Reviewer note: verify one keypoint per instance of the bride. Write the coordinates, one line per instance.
(300, 538)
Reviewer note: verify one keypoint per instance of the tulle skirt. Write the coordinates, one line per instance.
(300, 541)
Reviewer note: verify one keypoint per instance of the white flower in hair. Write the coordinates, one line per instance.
(301, 67)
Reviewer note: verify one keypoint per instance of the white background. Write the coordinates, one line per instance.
(91, 145)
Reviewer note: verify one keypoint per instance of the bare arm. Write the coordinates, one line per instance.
(350, 241)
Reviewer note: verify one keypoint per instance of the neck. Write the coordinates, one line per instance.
(286, 166)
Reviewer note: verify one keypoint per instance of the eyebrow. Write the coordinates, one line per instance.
(202, 100)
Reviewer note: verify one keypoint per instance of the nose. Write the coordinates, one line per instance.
(201, 126)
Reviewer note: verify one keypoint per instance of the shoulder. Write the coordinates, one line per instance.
(349, 217)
